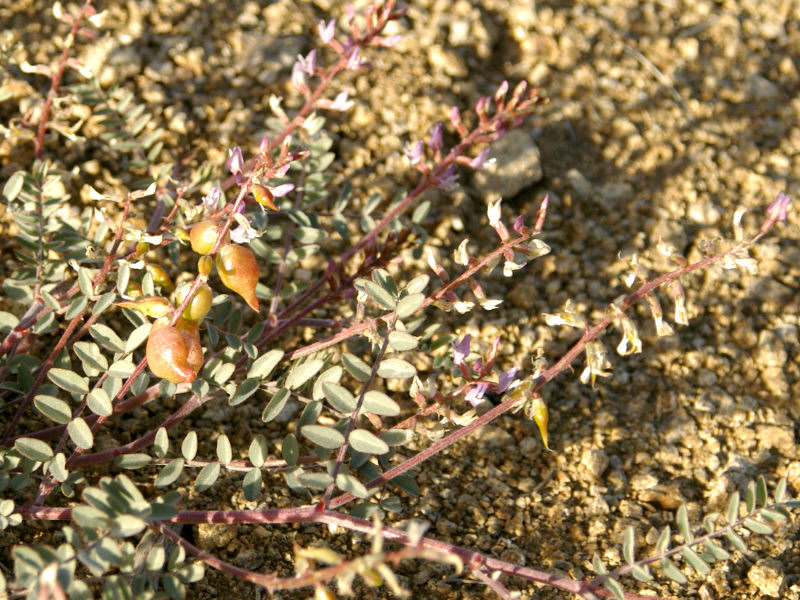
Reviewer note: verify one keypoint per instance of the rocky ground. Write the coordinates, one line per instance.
(664, 117)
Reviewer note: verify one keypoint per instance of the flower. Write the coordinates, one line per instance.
(326, 30)
(506, 380)
(461, 350)
(211, 199)
(235, 162)
(413, 153)
(475, 395)
(435, 143)
(776, 211)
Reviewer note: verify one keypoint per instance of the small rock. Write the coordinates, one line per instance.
(594, 461)
(773, 436)
(703, 213)
(761, 88)
(767, 575)
(612, 194)
(517, 164)
(447, 62)
(579, 183)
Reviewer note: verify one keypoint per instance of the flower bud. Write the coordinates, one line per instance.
(238, 271)
(203, 235)
(174, 353)
(199, 306)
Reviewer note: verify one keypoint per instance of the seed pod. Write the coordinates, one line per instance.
(160, 277)
(199, 306)
(152, 306)
(264, 196)
(203, 235)
(238, 271)
(174, 353)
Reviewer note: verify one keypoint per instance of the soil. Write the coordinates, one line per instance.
(664, 117)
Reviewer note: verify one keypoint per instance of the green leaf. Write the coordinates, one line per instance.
(757, 526)
(772, 515)
(76, 307)
(330, 375)
(315, 481)
(716, 551)
(326, 437)
(90, 356)
(642, 574)
(733, 508)
(85, 282)
(682, 521)
(257, 453)
(780, 490)
(407, 484)
(396, 368)
(263, 366)
(224, 450)
(123, 276)
(694, 560)
(90, 517)
(247, 388)
(189, 446)
(207, 477)
(339, 397)
(103, 302)
(53, 408)
(161, 443)
(173, 587)
(360, 370)
(252, 484)
(122, 368)
(302, 372)
(672, 571)
(290, 449)
(137, 337)
(34, 449)
(133, 461)
(417, 284)
(761, 491)
(58, 467)
(383, 298)
(80, 433)
(170, 473)
(379, 403)
(155, 558)
(275, 406)
(737, 542)
(99, 403)
(348, 483)
(396, 437)
(408, 305)
(664, 540)
(68, 380)
(106, 337)
(364, 441)
(615, 588)
(750, 496)
(628, 545)
(126, 525)
(13, 186)
(401, 341)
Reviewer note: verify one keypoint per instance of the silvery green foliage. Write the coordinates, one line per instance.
(347, 435)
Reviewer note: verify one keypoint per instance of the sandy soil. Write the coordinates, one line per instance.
(663, 118)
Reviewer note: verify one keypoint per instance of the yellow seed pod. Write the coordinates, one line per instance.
(199, 306)
(181, 234)
(160, 277)
(152, 306)
(204, 265)
(264, 197)
(141, 249)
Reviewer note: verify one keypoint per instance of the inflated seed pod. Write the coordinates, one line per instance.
(238, 271)
(199, 306)
(203, 235)
(174, 353)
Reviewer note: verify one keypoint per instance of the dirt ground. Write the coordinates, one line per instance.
(664, 117)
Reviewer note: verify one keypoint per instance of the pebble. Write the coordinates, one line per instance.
(767, 575)
(517, 165)
(580, 185)
(761, 88)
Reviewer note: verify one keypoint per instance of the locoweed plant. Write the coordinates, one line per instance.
(260, 286)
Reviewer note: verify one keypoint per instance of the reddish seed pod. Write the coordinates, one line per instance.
(174, 353)
(238, 271)
(203, 235)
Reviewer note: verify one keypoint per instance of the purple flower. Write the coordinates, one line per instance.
(326, 30)
(475, 395)
(263, 147)
(308, 63)
(413, 153)
(354, 61)
(211, 199)
(478, 161)
(299, 79)
(506, 379)
(461, 350)
(777, 210)
(449, 179)
(435, 142)
(341, 102)
(455, 116)
(235, 162)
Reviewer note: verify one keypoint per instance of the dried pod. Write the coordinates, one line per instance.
(199, 306)
(203, 235)
(174, 353)
(239, 272)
